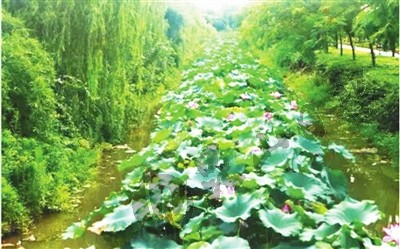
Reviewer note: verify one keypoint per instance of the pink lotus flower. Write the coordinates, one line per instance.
(255, 151)
(286, 209)
(231, 117)
(392, 233)
(276, 95)
(245, 96)
(226, 191)
(193, 105)
(268, 115)
(293, 105)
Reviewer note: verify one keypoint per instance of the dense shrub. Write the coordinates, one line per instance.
(39, 176)
(27, 81)
(13, 212)
(365, 94)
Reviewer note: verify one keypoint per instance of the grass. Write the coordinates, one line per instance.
(364, 59)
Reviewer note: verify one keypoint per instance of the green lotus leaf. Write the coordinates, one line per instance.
(196, 132)
(222, 113)
(224, 144)
(115, 199)
(134, 177)
(260, 180)
(134, 161)
(171, 175)
(121, 218)
(342, 151)
(163, 163)
(286, 245)
(209, 123)
(223, 242)
(240, 206)
(191, 229)
(350, 211)
(313, 147)
(74, 231)
(338, 182)
(347, 239)
(151, 241)
(199, 245)
(278, 158)
(185, 150)
(280, 222)
(246, 160)
(201, 180)
(295, 192)
(324, 231)
(305, 217)
(228, 98)
(310, 186)
(210, 232)
(161, 135)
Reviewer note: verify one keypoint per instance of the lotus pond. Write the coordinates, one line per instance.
(232, 164)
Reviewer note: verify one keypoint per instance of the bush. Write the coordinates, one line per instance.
(388, 143)
(365, 94)
(40, 177)
(27, 80)
(13, 213)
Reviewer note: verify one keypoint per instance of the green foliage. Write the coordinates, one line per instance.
(379, 23)
(309, 87)
(365, 94)
(285, 224)
(386, 142)
(14, 214)
(147, 240)
(40, 176)
(28, 107)
(76, 73)
(109, 63)
(297, 30)
(350, 211)
(199, 193)
(239, 207)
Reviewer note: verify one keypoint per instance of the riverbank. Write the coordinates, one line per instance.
(323, 91)
(359, 94)
(46, 232)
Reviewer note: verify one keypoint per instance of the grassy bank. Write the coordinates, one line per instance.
(354, 90)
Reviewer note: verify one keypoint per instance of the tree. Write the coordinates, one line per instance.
(378, 23)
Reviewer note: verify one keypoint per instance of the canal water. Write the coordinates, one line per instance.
(372, 176)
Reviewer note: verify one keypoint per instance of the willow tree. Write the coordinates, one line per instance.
(113, 52)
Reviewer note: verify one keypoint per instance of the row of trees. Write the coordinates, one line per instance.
(300, 28)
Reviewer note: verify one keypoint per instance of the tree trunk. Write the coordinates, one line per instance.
(351, 44)
(336, 40)
(371, 47)
(341, 44)
(326, 46)
(393, 48)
